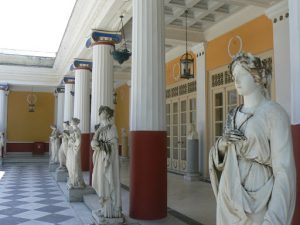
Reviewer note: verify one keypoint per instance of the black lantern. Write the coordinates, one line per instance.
(186, 60)
(122, 54)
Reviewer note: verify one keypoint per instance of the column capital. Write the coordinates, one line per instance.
(81, 64)
(4, 87)
(69, 80)
(60, 89)
(200, 48)
(276, 11)
(102, 37)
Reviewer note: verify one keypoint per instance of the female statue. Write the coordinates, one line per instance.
(252, 165)
(64, 146)
(106, 176)
(74, 156)
(54, 144)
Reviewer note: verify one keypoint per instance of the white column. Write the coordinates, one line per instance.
(102, 81)
(82, 99)
(3, 114)
(69, 102)
(279, 16)
(294, 17)
(60, 109)
(148, 83)
(199, 50)
(3, 106)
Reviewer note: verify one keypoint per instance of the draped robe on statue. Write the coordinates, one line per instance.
(254, 182)
(106, 174)
(63, 149)
(74, 160)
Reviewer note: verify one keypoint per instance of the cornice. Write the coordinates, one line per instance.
(277, 10)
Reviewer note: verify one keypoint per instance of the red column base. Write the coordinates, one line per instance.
(296, 144)
(148, 175)
(85, 152)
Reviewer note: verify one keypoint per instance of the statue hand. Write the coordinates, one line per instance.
(233, 136)
(230, 137)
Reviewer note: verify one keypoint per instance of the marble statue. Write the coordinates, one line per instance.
(252, 166)
(106, 176)
(54, 144)
(74, 156)
(64, 146)
(192, 133)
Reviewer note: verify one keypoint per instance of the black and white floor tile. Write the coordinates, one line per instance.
(30, 196)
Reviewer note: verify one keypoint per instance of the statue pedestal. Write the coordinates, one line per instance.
(53, 166)
(76, 194)
(192, 169)
(61, 175)
(124, 159)
(103, 221)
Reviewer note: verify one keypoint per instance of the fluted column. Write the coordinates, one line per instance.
(148, 184)
(82, 107)
(69, 98)
(294, 24)
(102, 43)
(60, 96)
(3, 114)
(200, 51)
(102, 81)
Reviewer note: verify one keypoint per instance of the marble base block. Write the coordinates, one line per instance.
(76, 194)
(191, 176)
(124, 158)
(61, 175)
(103, 221)
(192, 169)
(53, 166)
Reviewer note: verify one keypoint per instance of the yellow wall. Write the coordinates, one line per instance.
(257, 37)
(122, 109)
(173, 67)
(24, 126)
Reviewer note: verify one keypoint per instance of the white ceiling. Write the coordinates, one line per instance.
(207, 19)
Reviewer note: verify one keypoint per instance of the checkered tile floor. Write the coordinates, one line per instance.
(30, 196)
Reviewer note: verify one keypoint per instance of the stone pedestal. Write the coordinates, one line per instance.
(61, 175)
(104, 221)
(124, 153)
(192, 170)
(76, 194)
(53, 166)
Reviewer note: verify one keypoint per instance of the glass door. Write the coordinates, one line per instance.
(218, 114)
(168, 124)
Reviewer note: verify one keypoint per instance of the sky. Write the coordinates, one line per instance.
(33, 25)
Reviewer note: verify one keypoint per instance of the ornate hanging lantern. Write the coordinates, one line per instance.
(186, 60)
(122, 54)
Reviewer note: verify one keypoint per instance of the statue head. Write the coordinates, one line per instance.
(66, 124)
(109, 112)
(75, 121)
(257, 69)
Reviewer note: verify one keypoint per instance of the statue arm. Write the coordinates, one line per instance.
(282, 203)
(95, 142)
(113, 144)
